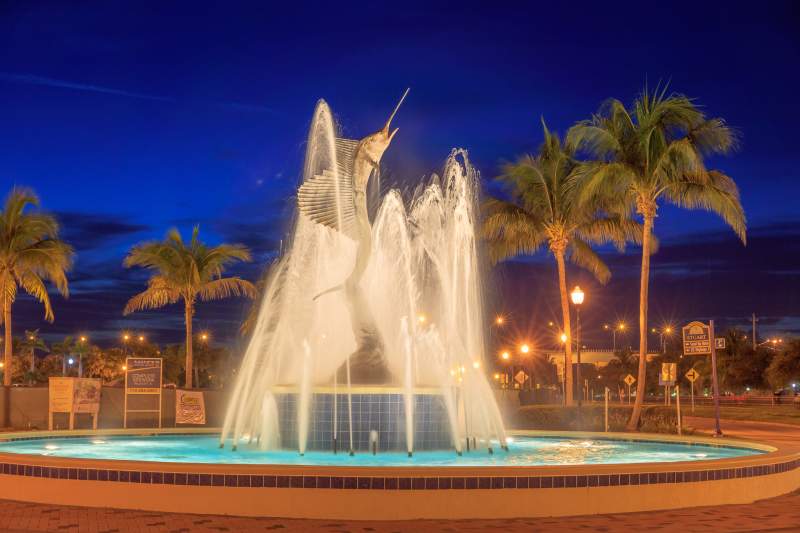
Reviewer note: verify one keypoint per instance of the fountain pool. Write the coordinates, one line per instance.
(523, 451)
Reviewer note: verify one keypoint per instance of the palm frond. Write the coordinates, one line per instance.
(225, 288)
(33, 285)
(582, 255)
(159, 292)
(718, 194)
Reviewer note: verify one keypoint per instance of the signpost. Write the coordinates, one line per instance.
(667, 378)
(629, 380)
(719, 343)
(143, 380)
(697, 341)
(692, 376)
(521, 377)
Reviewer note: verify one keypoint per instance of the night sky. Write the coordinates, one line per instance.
(132, 117)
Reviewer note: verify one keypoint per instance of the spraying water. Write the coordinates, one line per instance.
(388, 307)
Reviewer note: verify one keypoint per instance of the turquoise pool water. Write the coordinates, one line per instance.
(522, 451)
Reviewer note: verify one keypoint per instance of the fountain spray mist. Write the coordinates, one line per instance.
(406, 321)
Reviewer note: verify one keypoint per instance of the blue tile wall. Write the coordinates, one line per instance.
(384, 413)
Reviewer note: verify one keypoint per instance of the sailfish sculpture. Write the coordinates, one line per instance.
(337, 198)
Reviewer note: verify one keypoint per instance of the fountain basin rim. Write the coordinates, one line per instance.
(772, 453)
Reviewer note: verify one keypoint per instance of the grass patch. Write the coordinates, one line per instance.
(655, 418)
(784, 414)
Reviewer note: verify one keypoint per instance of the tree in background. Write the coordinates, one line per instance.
(784, 369)
(29, 344)
(186, 273)
(648, 154)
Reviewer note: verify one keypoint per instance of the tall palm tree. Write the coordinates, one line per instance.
(544, 209)
(186, 272)
(30, 255)
(652, 153)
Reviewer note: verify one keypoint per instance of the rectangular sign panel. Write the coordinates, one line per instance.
(696, 339)
(61, 395)
(86, 398)
(190, 407)
(143, 375)
(668, 375)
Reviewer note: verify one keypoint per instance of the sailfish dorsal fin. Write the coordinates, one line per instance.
(327, 198)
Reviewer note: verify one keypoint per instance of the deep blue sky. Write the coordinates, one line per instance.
(131, 117)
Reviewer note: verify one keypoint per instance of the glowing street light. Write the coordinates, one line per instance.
(524, 348)
(577, 297)
(124, 368)
(505, 356)
(141, 338)
(499, 320)
(476, 365)
(563, 338)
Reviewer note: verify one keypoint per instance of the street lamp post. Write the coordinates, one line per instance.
(577, 299)
(81, 349)
(619, 327)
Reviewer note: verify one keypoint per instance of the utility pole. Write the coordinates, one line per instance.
(755, 342)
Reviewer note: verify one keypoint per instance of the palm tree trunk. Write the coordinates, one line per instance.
(7, 345)
(562, 287)
(633, 423)
(188, 370)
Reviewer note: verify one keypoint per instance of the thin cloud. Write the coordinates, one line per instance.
(32, 79)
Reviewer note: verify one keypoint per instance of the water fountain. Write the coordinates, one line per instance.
(370, 326)
(370, 339)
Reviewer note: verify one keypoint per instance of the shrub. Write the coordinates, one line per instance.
(655, 418)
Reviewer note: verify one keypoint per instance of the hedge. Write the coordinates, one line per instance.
(654, 419)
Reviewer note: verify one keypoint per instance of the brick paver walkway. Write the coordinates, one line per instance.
(777, 514)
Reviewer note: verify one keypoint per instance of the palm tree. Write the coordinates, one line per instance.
(64, 349)
(650, 153)
(30, 255)
(31, 343)
(544, 209)
(186, 272)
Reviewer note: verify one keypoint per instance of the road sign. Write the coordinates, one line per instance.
(668, 375)
(692, 375)
(521, 377)
(719, 343)
(629, 380)
(696, 339)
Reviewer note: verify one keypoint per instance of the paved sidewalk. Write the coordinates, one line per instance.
(777, 514)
